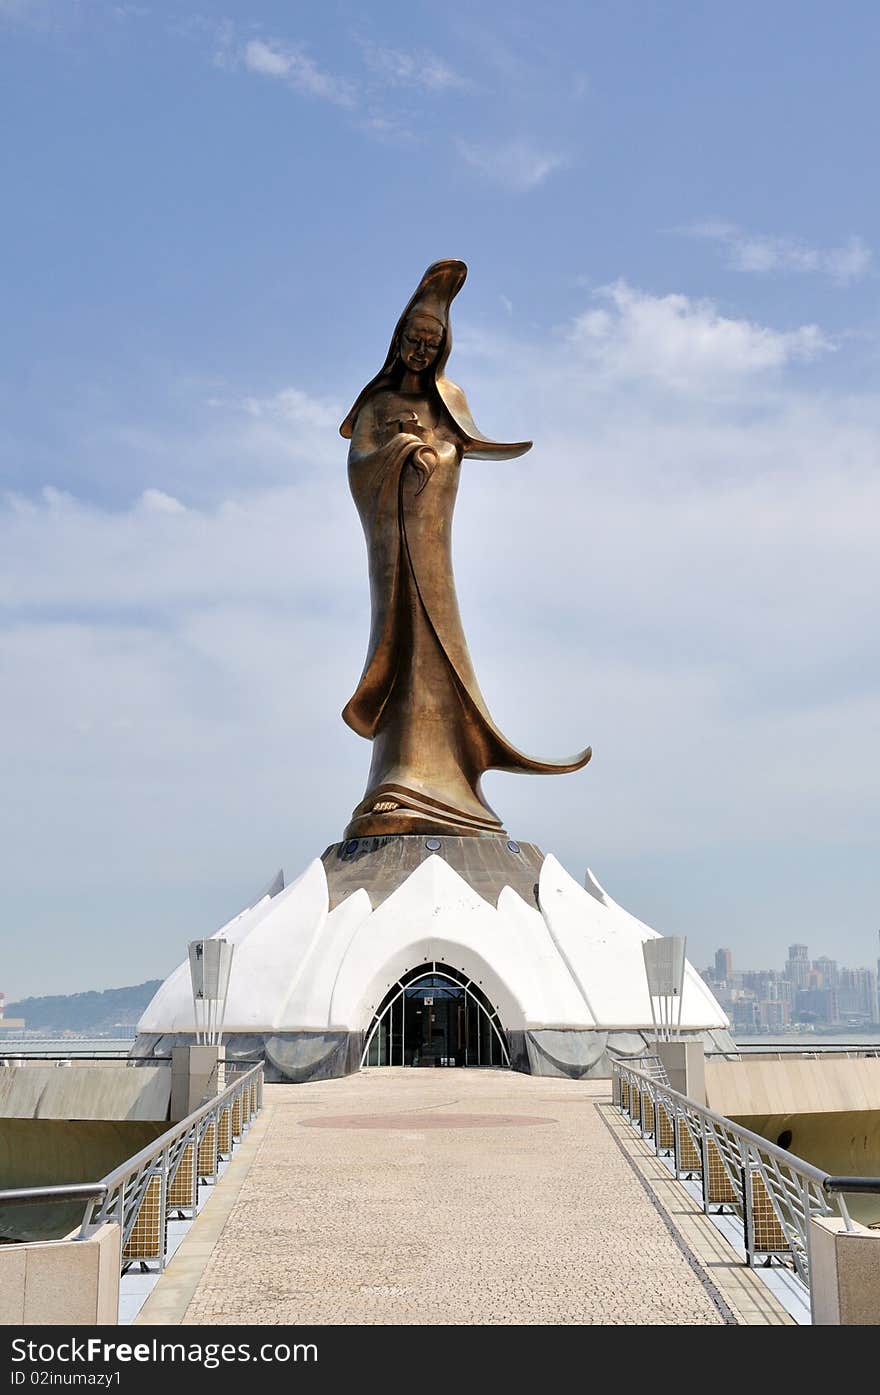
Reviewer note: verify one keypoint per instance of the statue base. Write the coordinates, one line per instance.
(439, 950)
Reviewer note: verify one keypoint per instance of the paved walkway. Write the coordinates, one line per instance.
(444, 1196)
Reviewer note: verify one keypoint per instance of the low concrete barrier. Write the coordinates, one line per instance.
(62, 1283)
(749, 1087)
(845, 1286)
(89, 1092)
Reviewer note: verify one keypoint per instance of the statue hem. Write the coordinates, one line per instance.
(406, 811)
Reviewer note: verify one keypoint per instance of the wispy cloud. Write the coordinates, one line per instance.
(417, 68)
(389, 129)
(289, 63)
(765, 252)
(517, 165)
(294, 65)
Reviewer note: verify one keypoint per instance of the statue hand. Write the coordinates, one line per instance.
(424, 461)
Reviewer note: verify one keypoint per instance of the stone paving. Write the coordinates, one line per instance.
(407, 1216)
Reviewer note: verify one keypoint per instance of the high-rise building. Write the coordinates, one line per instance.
(825, 971)
(857, 994)
(723, 965)
(797, 968)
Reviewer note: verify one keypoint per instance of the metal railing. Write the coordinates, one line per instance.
(772, 1192)
(35, 1058)
(780, 1050)
(163, 1179)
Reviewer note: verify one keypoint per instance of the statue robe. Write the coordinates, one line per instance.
(418, 698)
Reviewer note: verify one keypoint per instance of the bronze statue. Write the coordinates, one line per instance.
(418, 699)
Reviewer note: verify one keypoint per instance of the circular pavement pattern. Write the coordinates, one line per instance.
(419, 1122)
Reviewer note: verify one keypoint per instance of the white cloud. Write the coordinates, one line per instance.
(56, 499)
(295, 408)
(849, 262)
(289, 63)
(762, 252)
(685, 344)
(295, 66)
(517, 165)
(156, 501)
(261, 57)
(418, 68)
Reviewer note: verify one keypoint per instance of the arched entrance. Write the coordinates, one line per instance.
(435, 1016)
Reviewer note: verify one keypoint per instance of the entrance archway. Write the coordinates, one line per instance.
(435, 1016)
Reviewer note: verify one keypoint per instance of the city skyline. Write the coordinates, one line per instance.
(673, 291)
(819, 991)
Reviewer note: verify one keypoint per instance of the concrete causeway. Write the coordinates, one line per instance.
(450, 1196)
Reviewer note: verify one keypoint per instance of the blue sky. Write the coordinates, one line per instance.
(212, 216)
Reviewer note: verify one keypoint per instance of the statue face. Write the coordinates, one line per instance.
(420, 342)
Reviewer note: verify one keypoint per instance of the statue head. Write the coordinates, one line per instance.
(421, 339)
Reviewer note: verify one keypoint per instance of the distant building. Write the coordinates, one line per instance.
(814, 1004)
(857, 995)
(797, 968)
(820, 992)
(8, 1024)
(744, 1015)
(773, 1014)
(826, 976)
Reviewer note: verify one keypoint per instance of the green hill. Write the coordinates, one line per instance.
(96, 1014)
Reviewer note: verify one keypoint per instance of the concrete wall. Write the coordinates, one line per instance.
(62, 1283)
(87, 1092)
(40, 1152)
(737, 1088)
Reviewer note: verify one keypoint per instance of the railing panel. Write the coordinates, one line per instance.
(207, 1167)
(665, 1133)
(224, 1133)
(147, 1237)
(183, 1185)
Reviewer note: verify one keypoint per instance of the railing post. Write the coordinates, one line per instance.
(748, 1207)
(704, 1157)
(808, 1211)
(87, 1218)
(163, 1210)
